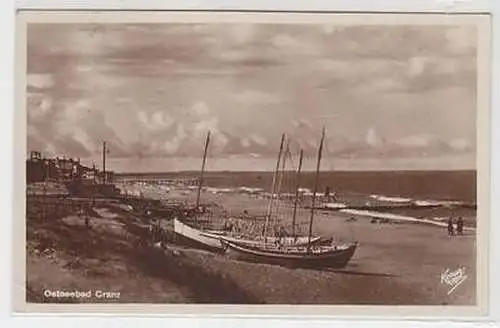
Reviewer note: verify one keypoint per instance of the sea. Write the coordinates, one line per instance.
(389, 185)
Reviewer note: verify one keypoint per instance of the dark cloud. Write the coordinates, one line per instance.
(154, 90)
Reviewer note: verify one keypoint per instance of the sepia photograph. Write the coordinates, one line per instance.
(252, 159)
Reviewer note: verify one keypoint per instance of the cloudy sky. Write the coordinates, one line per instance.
(390, 97)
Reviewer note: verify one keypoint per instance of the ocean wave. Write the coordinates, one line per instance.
(334, 205)
(250, 190)
(380, 215)
(436, 203)
(426, 203)
(440, 218)
(311, 194)
(397, 217)
(218, 190)
(211, 190)
(391, 199)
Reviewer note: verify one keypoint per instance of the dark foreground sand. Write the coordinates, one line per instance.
(395, 263)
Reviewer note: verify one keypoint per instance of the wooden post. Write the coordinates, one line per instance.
(104, 162)
(44, 201)
(283, 167)
(297, 194)
(269, 209)
(202, 174)
(313, 205)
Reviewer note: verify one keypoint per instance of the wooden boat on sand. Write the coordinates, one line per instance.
(311, 256)
(212, 240)
(193, 237)
(259, 240)
(302, 257)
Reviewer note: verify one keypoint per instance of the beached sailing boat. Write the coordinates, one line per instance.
(188, 234)
(312, 256)
(212, 240)
(275, 193)
(323, 240)
(263, 239)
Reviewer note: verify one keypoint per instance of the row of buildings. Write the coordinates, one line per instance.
(39, 168)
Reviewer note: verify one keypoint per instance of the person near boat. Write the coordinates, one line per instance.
(280, 235)
(451, 230)
(460, 226)
(228, 225)
(87, 220)
(147, 210)
(327, 193)
(84, 212)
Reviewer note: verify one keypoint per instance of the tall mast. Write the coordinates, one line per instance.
(269, 209)
(297, 192)
(313, 205)
(281, 175)
(104, 162)
(202, 171)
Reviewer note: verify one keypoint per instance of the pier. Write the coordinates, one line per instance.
(157, 181)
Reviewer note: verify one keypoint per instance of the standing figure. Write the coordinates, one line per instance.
(87, 218)
(460, 226)
(282, 232)
(450, 227)
(151, 230)
(228, 225)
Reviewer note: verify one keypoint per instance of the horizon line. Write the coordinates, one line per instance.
(305, 170)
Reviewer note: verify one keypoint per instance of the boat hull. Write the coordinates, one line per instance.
(212, 240)
(189, 236)
(333, 258)
(300, 241)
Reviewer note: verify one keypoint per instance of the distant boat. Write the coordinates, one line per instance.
(212, 240)
(312, 256)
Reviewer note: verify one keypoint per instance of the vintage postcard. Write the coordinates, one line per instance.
(240, 163)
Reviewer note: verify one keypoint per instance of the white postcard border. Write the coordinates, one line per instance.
(400, 6)
(268, 310)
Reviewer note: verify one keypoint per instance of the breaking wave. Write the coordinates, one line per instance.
(391, 199)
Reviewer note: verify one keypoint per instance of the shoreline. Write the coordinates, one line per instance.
(419, 185)
(383, 270)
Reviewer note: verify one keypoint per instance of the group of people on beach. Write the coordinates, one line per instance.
(459, 226)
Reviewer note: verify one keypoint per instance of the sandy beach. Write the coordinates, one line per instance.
(403, 255)
(396, 263)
